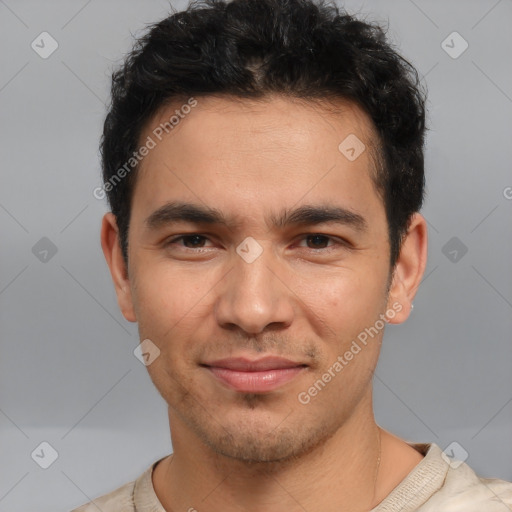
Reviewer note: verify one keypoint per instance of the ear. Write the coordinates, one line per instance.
(112, 250)
(408, 270)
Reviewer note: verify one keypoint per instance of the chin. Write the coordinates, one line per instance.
(261, 442)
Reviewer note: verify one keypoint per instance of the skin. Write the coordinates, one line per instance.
(302, 299)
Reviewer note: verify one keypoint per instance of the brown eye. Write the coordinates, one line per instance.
(194, 240)
(189, 241)
(318, 241)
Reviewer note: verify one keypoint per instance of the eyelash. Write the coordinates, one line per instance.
(335, 240)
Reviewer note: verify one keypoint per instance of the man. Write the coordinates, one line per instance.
(263, 160)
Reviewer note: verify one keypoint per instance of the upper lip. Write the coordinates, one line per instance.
(246, 365)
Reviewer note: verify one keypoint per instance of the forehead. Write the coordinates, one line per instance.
(255, 151)
(280, 118)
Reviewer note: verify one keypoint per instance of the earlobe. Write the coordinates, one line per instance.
(409, 268)
(115, 261)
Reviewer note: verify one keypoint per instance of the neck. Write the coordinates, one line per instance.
(340, 474)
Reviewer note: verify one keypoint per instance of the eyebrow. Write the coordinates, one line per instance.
(177, 211)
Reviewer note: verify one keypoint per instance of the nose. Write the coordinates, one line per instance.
(255, 296)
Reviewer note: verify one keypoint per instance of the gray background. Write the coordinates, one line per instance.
(68, 375)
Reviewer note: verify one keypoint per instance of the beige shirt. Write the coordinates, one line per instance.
(433, 485)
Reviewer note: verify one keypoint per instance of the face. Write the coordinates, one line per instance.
(307, 285)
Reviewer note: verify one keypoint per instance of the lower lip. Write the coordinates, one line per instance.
(255, 382)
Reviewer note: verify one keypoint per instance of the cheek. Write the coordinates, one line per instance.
(165, 305)
(165, 293)
(350, 308)
(347, 299)
(174, 310)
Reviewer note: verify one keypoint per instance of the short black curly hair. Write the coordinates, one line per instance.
(252, 48)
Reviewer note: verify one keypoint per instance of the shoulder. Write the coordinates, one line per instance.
(464, 490)
(120, 499)
(442, 484)
(501, 489)
(131, 497)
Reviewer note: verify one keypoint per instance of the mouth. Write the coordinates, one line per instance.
(258, 376)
